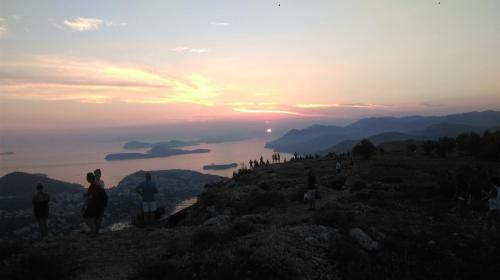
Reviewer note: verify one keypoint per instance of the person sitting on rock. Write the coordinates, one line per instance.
(147, 190)
(41, 209)
(312, 192)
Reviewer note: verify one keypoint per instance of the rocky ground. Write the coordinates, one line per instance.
(391, 217)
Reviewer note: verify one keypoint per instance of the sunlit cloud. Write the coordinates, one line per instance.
(198, 50)
(219, 23)
(83, 24)
(268, 111)
(186, 49)
(3, 30)
(335, 105)
(71, 79)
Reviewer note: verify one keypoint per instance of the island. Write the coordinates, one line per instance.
(133, 145)
(6, 153)
(155, 152)
(220, 166)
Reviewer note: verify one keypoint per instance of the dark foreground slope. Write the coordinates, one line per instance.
(393, 217)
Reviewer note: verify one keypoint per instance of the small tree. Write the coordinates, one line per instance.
(428, 147)
(444, 146)
(365, 149)
(412, 148)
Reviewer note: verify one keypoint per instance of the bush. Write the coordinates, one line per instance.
(9, 248)
(37, 264)
(429, 147)
(258, 200)
(412, 148)
(330, 215)
(444, 146)
(204, 238)
(365, 148)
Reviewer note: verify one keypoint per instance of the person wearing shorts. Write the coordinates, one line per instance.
(147, 190)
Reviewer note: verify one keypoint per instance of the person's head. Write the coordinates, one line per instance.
(148, 176)
(39, 187)
(496, 181)
(97, 174)
(90, 177)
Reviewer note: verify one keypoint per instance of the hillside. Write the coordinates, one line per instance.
(391, 217)
(16, 218)
(320, 139)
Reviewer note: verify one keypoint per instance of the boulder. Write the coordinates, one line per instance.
(363, 239)
(219, 221)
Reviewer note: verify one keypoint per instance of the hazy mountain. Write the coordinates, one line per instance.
(24, 184)
(320, 138)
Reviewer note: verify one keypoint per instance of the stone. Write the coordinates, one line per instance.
(363, 239)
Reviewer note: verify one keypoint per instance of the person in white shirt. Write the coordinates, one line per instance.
(493, 204)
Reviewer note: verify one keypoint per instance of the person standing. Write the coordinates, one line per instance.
(100, 182)
(41, 209)
(312, 192)
(493, 204)
(338, 166)
(147, 190)
(95, 200)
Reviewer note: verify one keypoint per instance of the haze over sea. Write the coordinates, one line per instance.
(71, 160)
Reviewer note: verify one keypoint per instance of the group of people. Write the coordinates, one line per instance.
(95, 201)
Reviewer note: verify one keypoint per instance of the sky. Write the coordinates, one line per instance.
(95, 64)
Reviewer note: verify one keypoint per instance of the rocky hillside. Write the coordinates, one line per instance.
(391, 217)
(17, 189)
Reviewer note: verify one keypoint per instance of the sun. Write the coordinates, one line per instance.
(269, 130)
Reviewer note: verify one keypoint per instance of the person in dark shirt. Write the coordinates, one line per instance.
(41, 209)
(147, 190)
(96, 198)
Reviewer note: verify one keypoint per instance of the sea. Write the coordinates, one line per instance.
(70, 161)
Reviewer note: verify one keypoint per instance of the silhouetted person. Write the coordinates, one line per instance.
(493, 204)
(267, 163)
(95, 197)
(261, 161)
(461, 196)
(295, 155)
(41, 209)
(147, 190)
(251, 163)
(100, 182)
(255, 164)
(312, 192)
(338, 167)
(278, 156)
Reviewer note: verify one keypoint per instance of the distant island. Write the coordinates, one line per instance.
(155, 152)
(6, 153)
(220, 166)
(132, 145)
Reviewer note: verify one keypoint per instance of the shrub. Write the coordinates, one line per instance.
(412, 148)
(365, 148)
(9, 248)
(204, 238)
(444, 146)
(429, 147)
(37, 264)
(257, 200)
(330, 215)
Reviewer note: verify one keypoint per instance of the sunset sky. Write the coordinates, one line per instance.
(72, 64)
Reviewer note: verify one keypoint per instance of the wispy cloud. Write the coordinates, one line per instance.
(3, 30)
(198, 50)
(115, 23)
(336, 105)
(219, 23)
(187, 49)
(55, 78)
(268, 111)
(83, 24)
